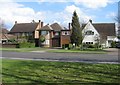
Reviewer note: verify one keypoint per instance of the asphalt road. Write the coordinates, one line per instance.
(72, 57)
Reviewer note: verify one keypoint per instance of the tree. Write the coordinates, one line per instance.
(76, 36)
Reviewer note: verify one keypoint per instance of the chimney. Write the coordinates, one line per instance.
(90, 21)
(41, 24)
(39, 21)
(15, 22)
(69, 26)
(33, 21)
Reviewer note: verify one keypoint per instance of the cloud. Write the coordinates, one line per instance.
(111, 15)
(93, 4)
(12, 11)
(82, 15)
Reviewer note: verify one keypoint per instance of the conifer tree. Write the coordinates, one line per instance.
(76, 36)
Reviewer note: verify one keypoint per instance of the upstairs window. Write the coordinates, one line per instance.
(89, 33)
(65, 33)
(44, 32)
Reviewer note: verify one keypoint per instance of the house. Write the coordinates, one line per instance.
(102, 33)
(27, 31)
(55, 35)
(5, 37)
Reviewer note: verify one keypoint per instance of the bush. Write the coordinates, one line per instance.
(26, 45)
(113, 44)
(42, 38)
(65, 46)
(70, 46)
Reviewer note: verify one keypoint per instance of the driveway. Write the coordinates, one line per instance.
(111, 56)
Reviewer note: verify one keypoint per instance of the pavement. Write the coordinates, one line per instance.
(112, 56)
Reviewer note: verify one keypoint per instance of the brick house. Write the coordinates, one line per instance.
(5, 37)
(55, 35)
(27, 31)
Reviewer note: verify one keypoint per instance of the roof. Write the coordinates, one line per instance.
(104, 29)
(7, 36)
(107, 29)
(56, 27)
(24, 27)
(3, 30)
(46, 27)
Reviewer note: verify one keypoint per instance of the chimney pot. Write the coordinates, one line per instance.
(41, 24)
(15, 22)
(90, 21)
(39, 21)
(69, 26)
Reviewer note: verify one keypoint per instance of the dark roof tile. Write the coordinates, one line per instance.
(56, 27)
(24, 27)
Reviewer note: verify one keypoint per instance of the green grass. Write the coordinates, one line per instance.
(77, 51)
(23, 49)
(53, 50)
(43, 72)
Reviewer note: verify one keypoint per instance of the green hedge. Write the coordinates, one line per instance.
(26, 45)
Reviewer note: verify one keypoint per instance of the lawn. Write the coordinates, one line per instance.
(77, 51)
(44, 72)
(53, 50)
(23, 49)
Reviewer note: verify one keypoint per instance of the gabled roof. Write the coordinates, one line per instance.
(3, 30)
(24, 27)
(56, 27)
(107, 29)
(104, 29)
(46, 27)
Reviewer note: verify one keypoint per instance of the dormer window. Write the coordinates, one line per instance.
(89, 33)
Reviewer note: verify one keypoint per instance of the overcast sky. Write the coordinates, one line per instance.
(50, 11)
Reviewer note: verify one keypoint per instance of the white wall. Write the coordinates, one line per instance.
(89, 38)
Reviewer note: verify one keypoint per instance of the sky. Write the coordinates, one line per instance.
(61, 11)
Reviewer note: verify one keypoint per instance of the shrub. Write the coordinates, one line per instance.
(65, 46)
(26, 45)
(113, 44)
(70, 46)
(42, 38)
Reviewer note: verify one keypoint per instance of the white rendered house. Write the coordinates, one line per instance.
(102, 33)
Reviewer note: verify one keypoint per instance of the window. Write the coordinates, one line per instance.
(56, 33)
(65, 33)
(44, 32)
(89, 33)
(89, 42)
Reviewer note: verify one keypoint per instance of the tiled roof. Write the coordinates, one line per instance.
(56, 27)
(46, 27)
(24, 27)
(104, 29)
(3, 30)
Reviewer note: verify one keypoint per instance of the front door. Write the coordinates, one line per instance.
(56, 42)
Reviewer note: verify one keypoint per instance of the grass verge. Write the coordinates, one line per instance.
(76, 51)
(23, 49)
(43, 72)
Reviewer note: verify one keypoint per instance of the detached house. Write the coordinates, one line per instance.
(5, 37)
(102, 33)
(27, 31)
(55, 35)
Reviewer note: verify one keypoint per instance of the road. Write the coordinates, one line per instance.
(70, 57)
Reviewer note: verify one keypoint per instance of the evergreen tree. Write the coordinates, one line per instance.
(76, 36)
